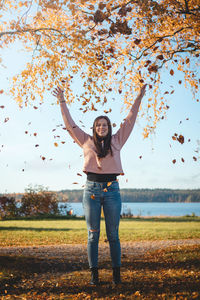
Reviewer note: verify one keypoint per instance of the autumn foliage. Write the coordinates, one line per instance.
(108, 47)
(8, 208)
(38, 203)
(35, 202)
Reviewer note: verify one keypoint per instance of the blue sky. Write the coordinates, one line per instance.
(21, 163)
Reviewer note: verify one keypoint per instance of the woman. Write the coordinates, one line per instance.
(102, 164)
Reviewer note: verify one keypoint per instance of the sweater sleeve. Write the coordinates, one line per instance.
(76, 133)
(127, 126)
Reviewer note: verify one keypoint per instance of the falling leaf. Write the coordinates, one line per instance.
(26, 132)
(79, 174)
(93, 108)
(35, 134)
(92, 197)
(43, 158)
(105, 190)
(35, 107)
(161, 57)
(75, 183)
(1, 91)
(62, 142)
(140, 156)
(109, 183)
(108, 111)
(195, 159)
(155, 48)
(2, 106)
(180, 139)
(171, 72)
(180, 81)
(182, 159)
(137, 41)
(6, 120)
(105, 100)
(174, 161)
(114, 125)
(36, 145)
(56, 144)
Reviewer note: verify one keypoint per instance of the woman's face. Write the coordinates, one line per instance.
(102, 127)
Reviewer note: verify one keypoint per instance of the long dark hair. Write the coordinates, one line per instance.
(102, 151)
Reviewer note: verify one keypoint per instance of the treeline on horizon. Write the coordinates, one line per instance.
(131, 195)
(142, 195)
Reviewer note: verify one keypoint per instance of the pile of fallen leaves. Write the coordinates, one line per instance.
(172, 273)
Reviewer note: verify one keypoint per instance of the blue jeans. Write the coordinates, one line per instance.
(97, 194)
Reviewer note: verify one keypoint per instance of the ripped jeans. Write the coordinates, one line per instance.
(97, 194)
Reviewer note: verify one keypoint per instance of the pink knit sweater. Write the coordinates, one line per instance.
(109, 164)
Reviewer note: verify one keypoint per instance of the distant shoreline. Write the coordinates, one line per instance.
(130, 195)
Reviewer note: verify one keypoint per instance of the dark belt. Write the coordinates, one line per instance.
(101, 177)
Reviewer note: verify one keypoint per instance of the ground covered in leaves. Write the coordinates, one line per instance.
(150, 270)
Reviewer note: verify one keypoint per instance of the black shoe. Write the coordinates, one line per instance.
(116, 275)
(94, 276)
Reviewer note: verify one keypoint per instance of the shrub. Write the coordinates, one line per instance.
(38, 202)
(8, 207)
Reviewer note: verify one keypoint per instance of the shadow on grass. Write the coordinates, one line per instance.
(149, 275)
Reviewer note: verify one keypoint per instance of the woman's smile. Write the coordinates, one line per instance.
(102, 127)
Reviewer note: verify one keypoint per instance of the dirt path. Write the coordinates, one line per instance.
(135, 249)
(61, 271)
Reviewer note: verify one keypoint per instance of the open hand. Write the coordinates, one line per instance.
(58, 93)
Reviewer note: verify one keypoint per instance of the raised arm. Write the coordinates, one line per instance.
(126, 127)
(76, 133)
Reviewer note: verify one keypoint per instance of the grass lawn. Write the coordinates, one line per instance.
(53, 232)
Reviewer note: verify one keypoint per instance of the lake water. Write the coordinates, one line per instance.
(146, 209)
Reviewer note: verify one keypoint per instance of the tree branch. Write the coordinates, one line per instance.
(33, 31)
(161, 37)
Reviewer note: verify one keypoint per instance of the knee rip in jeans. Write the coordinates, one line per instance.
(93, 235)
